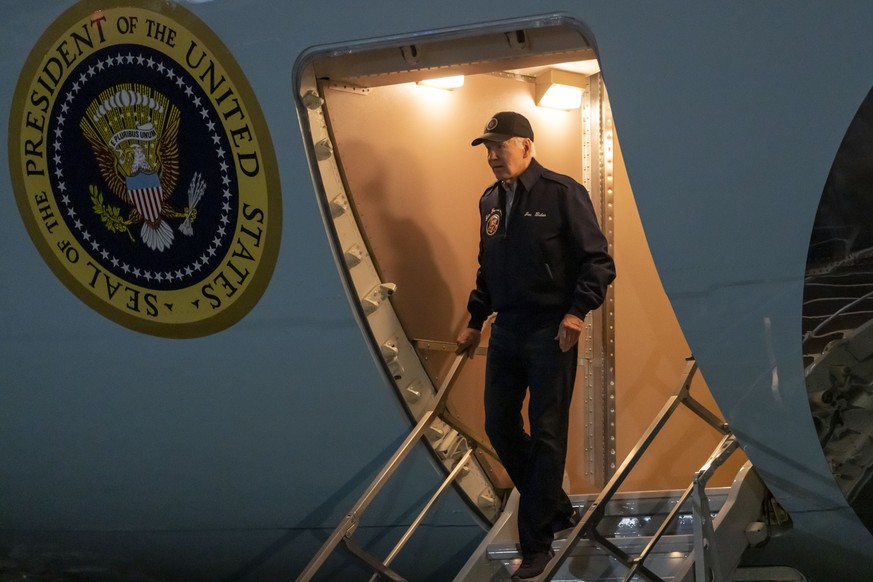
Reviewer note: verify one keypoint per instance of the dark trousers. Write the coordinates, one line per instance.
(518, 361)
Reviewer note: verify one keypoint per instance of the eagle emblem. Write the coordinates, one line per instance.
(492, 222)
(133, 132)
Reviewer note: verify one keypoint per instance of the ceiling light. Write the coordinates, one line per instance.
(559, 89)
(448, 83)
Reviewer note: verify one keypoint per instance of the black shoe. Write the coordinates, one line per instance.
(532, 566)
(561, 527)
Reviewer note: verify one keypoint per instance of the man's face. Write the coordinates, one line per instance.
(508, 159)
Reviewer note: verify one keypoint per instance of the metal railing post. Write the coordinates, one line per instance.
(587, 526)
(349, 524)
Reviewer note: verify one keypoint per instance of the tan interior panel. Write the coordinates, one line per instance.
(415, 181)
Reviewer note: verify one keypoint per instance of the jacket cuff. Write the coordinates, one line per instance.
(476, 323)
(580, 313)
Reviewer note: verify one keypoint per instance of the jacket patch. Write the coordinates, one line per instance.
(492, 221)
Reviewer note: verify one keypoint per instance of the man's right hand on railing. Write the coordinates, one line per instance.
(468, 341)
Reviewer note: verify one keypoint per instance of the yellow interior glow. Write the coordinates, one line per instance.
(562, 97)
(559, 89)
(448, 83)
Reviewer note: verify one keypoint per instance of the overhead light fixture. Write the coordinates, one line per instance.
(447, 83)
(559, 89)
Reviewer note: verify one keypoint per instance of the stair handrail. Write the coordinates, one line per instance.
(587, 525)
(345, 530)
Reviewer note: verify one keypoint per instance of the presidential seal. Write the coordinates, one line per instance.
(143, 168)
(492, 221)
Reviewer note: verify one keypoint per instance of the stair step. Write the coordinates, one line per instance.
(628, 522)
(640, 513)
(587, 561)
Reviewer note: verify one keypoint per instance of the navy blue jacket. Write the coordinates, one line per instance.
(548, 259)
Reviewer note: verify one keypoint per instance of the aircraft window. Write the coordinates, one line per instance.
(838, 315)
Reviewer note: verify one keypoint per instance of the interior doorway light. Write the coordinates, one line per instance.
(559, 89)
(448, 83)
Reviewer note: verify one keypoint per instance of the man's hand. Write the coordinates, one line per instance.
(569, 332)
(468, 341)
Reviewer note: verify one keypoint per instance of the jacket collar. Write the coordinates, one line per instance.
(530, 176)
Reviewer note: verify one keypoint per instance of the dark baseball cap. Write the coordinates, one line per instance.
(505, 125)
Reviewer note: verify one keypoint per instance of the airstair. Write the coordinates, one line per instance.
(630, 522)
(698, 534)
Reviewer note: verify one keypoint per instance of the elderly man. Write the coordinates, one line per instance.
(543, 265)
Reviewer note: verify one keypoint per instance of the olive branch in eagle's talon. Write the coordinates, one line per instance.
(109, 215)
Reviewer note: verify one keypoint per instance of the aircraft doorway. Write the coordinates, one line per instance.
(397, 158)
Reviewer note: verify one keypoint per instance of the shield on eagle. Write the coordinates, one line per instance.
(145, 191)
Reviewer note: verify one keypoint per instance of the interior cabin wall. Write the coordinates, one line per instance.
(415, 181)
